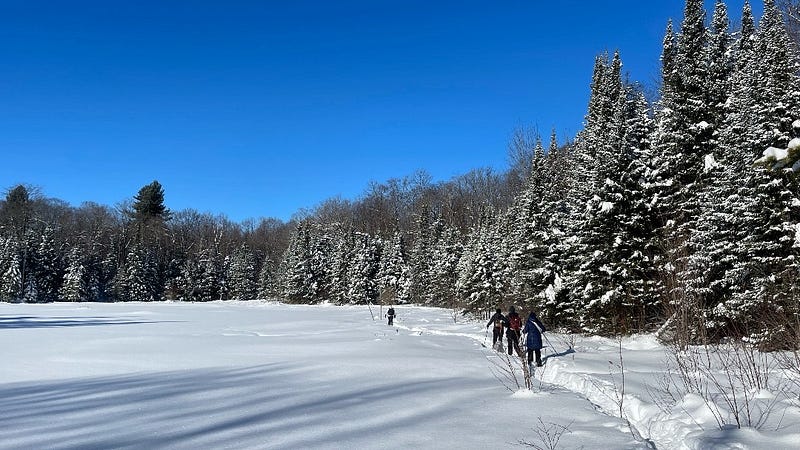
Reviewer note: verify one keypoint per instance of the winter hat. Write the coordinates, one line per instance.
(511, 310)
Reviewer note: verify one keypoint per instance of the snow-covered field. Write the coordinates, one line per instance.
(268, 375)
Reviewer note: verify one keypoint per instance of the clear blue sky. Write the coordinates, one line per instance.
(259, 108)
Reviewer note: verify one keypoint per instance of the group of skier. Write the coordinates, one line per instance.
(512, 325)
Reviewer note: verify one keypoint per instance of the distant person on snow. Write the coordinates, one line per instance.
(514, 324)
(499, 321)
(390, 315)
(534, 329)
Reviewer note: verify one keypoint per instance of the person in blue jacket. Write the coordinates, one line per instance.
(534, 329)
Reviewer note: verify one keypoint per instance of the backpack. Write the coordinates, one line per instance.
(514, 322)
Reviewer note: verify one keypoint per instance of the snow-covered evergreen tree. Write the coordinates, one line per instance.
(241, 274)
(301, 283)
(481, 283)
(446, 255)
(394, 271)
(74, 287)
(267, 279)
(421, 257)
(136, 280)
(363, 272)
(46, 267)
(10, 271)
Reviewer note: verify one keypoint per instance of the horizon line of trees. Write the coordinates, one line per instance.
(656, 216)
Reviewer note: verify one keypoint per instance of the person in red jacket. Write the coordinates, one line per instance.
(513, 333)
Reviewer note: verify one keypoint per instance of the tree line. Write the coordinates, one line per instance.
(664, 214)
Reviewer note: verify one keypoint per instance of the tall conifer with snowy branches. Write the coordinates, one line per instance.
(241, 274)
(481, 284)
(609, 276)
(300, 281)
(394, 270)
(363, 286)
(444, 276)
(768, 207)
(267, 279)
(10, 270)
(421, 255)
(74, 287)
(682, 144)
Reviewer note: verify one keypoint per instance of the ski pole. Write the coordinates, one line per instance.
(485, 336)
(552, 349)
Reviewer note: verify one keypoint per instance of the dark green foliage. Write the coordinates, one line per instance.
(148, 204)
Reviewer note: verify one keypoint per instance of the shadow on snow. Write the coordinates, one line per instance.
(260, 406)
(10, 322)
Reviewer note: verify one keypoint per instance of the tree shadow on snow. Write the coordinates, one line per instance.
(250, 407)
(12, 322)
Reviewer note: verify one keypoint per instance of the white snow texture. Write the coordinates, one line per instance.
(268, 375)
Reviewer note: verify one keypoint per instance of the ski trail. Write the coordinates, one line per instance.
(602, 394)
(422, 330)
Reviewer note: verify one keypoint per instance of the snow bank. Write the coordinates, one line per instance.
(259, 375)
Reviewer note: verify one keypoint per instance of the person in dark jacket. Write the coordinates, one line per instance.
(499, 322)
(390, 314)
(514, 323)
(534, 329)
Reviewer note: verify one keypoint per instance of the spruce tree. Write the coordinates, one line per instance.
(74, 287)
(267, 279)
(394, 271)
(446, 254)
(241, 274)
(300, 283)
(10, 270)
(46, 266)
(136, 280)
(363, 272)
(480, 284)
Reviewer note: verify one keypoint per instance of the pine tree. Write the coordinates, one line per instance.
(241, 274)
(395, 282)
(342, 259)
(446, 254)
(363, 272)
(187, 283)
(74, 287)
(480, 283)
(720, 67)
(136, 279)
(761, 244)
(148, 204)
(10, 270)
(267, 279)
(211, 284)
(528, 243)
(421, 257)
(46, 267)
(300, 282)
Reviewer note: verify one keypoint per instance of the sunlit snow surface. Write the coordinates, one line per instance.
(268, 375)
